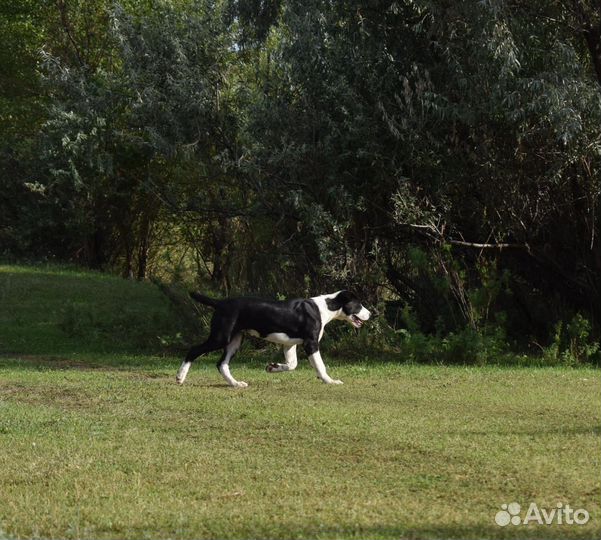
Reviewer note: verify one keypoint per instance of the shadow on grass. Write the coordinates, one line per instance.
(406, 533)
(119, 362)
(544, 430)
(451, 532)
(529, 532)
(86, 362)
(400, 532)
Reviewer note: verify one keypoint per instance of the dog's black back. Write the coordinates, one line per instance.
(298, 319)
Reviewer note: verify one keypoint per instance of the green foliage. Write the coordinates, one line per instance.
(466, 346)
(573, 344)
(443, 156)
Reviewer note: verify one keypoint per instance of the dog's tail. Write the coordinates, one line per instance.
(203, 299)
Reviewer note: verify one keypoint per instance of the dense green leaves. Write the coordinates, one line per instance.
(444, 153)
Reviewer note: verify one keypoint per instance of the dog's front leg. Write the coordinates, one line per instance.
(317, 363)
(291, 361)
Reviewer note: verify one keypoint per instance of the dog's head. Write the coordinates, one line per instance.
(350, 308)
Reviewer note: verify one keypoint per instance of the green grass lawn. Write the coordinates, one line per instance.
(97, 444)
(52, 310)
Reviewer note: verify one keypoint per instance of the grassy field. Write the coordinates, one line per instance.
(101, 443)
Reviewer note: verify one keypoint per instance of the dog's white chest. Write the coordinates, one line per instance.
(282, 338)
(277, 337)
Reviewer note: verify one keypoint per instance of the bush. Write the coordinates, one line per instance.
(573, 343)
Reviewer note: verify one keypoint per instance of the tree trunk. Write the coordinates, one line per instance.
(220, 236)
(592, 36)
(95, 256)
(144, 246)
(587, 18)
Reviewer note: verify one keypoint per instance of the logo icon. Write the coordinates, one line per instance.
(508, 514)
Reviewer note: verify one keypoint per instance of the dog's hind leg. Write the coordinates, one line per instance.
(224, 364)
(221, 331)
(210, 345)
(291, 361)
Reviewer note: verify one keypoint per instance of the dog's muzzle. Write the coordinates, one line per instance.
(356, 321)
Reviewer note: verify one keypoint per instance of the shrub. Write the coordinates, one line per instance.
(573, 344)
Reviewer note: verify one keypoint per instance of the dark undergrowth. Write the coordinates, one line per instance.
(58, 310)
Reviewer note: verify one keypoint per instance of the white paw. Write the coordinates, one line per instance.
(240, 384)
(272, 368)
(179, 380)
(334, 381)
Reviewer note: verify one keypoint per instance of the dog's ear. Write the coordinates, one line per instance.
(336, 303)
(333, 304)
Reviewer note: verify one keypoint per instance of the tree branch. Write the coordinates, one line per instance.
(434, 233)
(67, 27)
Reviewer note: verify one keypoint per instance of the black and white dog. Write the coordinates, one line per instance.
(289, 323)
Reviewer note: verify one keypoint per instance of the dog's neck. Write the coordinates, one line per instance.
(326, 314)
